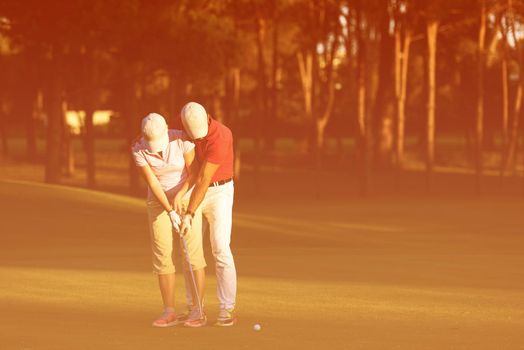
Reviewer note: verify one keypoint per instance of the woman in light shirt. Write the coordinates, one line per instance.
(165, 159)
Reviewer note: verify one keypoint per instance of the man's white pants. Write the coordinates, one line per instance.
(217, 209)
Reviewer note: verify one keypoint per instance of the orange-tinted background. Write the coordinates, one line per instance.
(379, 168)
(343, 87)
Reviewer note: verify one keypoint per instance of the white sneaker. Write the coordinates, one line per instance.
(226, 318)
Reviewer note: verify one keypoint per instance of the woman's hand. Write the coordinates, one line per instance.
(175, 220)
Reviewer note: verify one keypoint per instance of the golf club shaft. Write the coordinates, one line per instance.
(184, 248)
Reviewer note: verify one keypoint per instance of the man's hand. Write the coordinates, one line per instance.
(185, 226)
(175, 220)
(178, 205)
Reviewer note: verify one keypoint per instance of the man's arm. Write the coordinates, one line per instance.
(203, 180)
(192, 169)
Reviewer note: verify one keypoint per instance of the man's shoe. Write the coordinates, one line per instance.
(195, 319)
(226, 318)
(167, 319)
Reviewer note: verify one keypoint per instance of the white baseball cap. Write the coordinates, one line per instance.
(194, 119)
(154, 129)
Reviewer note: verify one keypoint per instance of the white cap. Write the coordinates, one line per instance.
(154, 129)
(194, 119)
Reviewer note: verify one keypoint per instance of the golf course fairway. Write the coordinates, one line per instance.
(374, 274)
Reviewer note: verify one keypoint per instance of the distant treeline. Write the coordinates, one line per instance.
(376, 71)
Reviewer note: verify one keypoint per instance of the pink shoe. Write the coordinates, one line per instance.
(196, 320)
(167, 319)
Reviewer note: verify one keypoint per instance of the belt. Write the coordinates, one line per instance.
(221, 182)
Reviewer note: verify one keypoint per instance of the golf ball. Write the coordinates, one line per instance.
(256, 327)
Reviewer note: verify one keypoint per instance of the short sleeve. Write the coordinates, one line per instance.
(182, 141)
(216, 153)
(187, 146)
(138, 156)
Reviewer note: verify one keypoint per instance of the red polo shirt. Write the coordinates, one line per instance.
(217, 148)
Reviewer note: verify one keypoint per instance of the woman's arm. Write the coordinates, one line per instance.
(155, 187)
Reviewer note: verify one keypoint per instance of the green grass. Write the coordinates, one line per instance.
(381, 274)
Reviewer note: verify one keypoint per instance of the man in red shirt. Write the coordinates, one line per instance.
(213, 192)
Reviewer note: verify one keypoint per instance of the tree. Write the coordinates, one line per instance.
(45, 33)
(515, 11)
(432, 25)
(479, 125)
(504, 70)
(50, 36)
(317, 63)
(382, 121)
(5, 50)
(362, 114)
(403, 35)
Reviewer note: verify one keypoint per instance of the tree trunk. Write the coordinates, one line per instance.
(505, 101)
(3, 134)
(513, 139)
(89, 109)
(505, 112)
(235, 76)
(321, 120)
(131, 93)
(320, 128)
(228, 95)
(479, 124)
(68, 160)
(235, 100)
(273, 115)
(262, 84)
(29, 97)
(362, 139)
(432, 30)
(38, 114)
(508, 159)
(30, 115)
(305, 66)
(522, 160)
(234, 117)
(3, 128)
(503, 30)
(383, 111)
(89, 142)
(54, 113)
(402, 45)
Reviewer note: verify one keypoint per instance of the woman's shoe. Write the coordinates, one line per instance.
(196, 319)
(167, 319)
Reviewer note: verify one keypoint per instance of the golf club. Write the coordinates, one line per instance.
(184, 248)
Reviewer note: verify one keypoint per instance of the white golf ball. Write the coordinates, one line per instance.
(256, 327)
